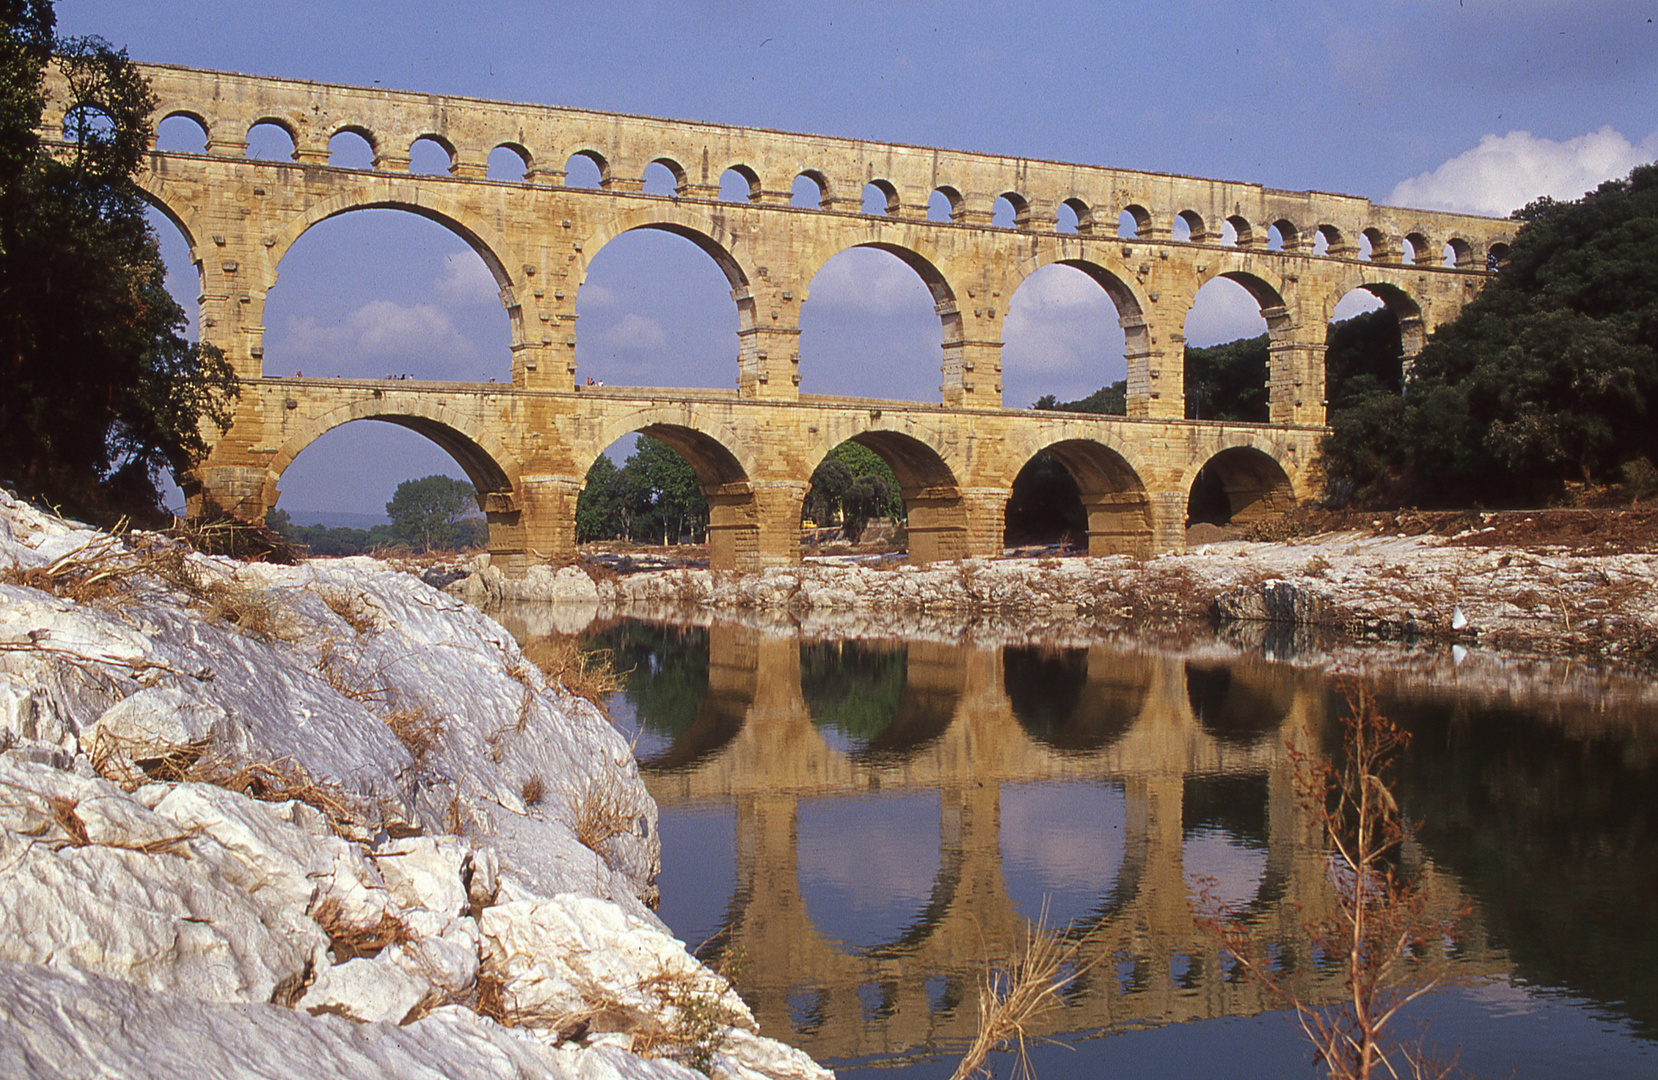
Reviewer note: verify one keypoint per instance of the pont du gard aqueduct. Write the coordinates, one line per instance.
(527, 446)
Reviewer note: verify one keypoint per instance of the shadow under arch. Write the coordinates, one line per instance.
(894, 700)
(1413, 334)
(1114, 499)
(1239, 486)
(1063, 702)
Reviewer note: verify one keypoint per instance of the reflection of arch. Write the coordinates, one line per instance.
(1238, 486)
(481, 456)
(1059, 700)
(1233, 707)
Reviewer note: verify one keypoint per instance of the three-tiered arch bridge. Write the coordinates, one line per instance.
(527, 446)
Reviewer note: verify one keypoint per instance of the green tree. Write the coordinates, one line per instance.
(830, 481)
(103, 392)
(427, 513)
(666, 492)
(865, 462)
(1228, 382)
(1109, 400)
(600, 509)
(1545, 378)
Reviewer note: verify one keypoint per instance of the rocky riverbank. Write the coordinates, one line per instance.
(1465, 588)
(318, 821)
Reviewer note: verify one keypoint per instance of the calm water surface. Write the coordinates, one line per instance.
(852, 827)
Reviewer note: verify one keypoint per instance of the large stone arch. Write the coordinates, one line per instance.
(491, 468)
(929, 481)
(892, 237)
(725, 467)
(1131, 307)
(1242, 480)
(1413, 329)
(411, 195)
(1113, 490)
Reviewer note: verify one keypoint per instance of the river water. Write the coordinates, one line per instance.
(851, 829)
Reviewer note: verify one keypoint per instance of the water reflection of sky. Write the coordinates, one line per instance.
(1222, 869)
(699, 869)
(867, 865)
(1062, 843)
(647, 744)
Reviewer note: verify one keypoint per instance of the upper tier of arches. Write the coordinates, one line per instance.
(1043, 196)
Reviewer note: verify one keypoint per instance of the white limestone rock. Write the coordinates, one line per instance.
(365, 990)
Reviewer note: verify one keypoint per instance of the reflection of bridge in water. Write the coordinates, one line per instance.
(967, 723)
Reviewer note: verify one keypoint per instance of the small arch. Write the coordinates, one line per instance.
(1415, 249)
(1081, 217)
(810, 191)
(739, 184)
(663, 176)
(1188, 226)
(1284, 236)
(1011, 211)
(586, 169)
(1458, 253)
(509, 162)
(182, 132)
(431, 155)
(1495, 256)
(1133, 222)
(944, 204)
(351, 147)
(270, 139)
(1237, 231)
(1328, 241)
(1239, 486)
(880, 199)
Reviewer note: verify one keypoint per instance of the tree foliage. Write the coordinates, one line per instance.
(1544, 379)
(427, 513)
(103, 392)
(853, 485)
(1228, 382)
(1109, 400)
(654, 497)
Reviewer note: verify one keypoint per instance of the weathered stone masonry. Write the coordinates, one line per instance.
(527, 447)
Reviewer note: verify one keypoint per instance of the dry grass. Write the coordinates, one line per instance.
(118, 566)
(350, 941)
(587, 674)
(418, 730)
(1012, 1000)
(534, 790)
(131, 765)
(696, 1018)
(350, 607)
(602, 810)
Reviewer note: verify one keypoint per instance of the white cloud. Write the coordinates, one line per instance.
(869, 280)
(634, 331)
(594, 296)
(1505, 172)
(466, 280)
(380, 337)
(1224, 311)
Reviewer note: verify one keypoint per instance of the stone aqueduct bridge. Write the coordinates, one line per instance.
(527, 447)
(1151, 724)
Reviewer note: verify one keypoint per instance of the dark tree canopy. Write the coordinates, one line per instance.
(1544, 379)
(852, 485)
(1109, 400)
(103, 392)
(1228, 382)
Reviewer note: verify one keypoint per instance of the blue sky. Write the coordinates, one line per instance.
(1477, 105)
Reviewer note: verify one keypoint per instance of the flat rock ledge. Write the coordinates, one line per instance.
(318, 821)
(1550, 602)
